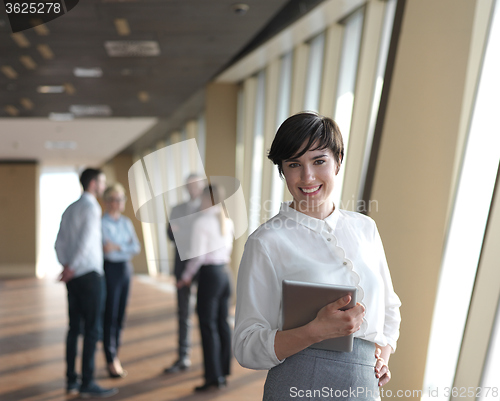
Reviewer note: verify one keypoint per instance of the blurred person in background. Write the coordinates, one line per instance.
(211, 246)
(79, 250)
(120, 244)
(180, 234)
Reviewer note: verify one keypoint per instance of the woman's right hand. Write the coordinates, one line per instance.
(332, 322)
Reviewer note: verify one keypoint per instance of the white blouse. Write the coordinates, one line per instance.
(345, 248)
(208, 245)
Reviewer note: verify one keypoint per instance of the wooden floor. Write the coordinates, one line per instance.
(33, 324)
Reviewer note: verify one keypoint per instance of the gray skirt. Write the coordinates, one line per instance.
(314, 374)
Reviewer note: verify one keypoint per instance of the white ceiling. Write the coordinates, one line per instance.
(97, 140)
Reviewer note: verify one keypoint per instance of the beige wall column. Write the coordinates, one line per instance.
(414, 171)
(116, 170)
(18, 219)
(220, 139)
(220, 125)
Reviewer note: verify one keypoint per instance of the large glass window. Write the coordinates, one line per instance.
(282, 113)
(240, 131)
(258, 152)
(314, 73)
(53, 203)
(491, 372)
(468, 221)
(200, 138)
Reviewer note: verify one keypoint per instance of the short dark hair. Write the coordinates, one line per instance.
(305, 127)
(88, 175)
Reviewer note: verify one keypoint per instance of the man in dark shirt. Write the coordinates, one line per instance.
(180, 233)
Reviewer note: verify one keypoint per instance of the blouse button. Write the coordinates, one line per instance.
(345, 263)
(328, 239)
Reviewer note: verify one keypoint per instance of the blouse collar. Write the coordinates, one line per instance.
(107, 216)
(329, 223)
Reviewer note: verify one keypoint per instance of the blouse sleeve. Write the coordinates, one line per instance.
(392, 301)
(133, 247)
(257, 309)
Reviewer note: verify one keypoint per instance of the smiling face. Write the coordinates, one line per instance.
(310, 179)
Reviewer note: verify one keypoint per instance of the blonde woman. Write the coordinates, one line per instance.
(211, 246)
(120, 244)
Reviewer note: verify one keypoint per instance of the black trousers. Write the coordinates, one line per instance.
(184, 312)
(117, 289)
(214, 290)
(85, 304)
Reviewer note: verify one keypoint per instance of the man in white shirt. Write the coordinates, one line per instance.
(79, 250)
(180, 233)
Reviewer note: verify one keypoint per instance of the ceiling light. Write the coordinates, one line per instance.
(27, 103)
(45, 51)
(240, 8)
(28, 62)
(122, 27)
(8, 71)
(69, 88)
(102, 110)
(20, 39)
(87, 72)
(61, 117)
(60, 145)
(50, 89)
(143, 96)
(13, 111)
(39, 27)
(137, 48)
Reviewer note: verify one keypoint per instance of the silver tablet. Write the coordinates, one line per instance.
(302, 301)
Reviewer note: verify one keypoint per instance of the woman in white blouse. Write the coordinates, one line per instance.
(312, 240)
(211, 246)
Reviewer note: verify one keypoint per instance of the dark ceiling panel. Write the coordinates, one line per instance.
(196, 39)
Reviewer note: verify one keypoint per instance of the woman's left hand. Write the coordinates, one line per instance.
(382, 372)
